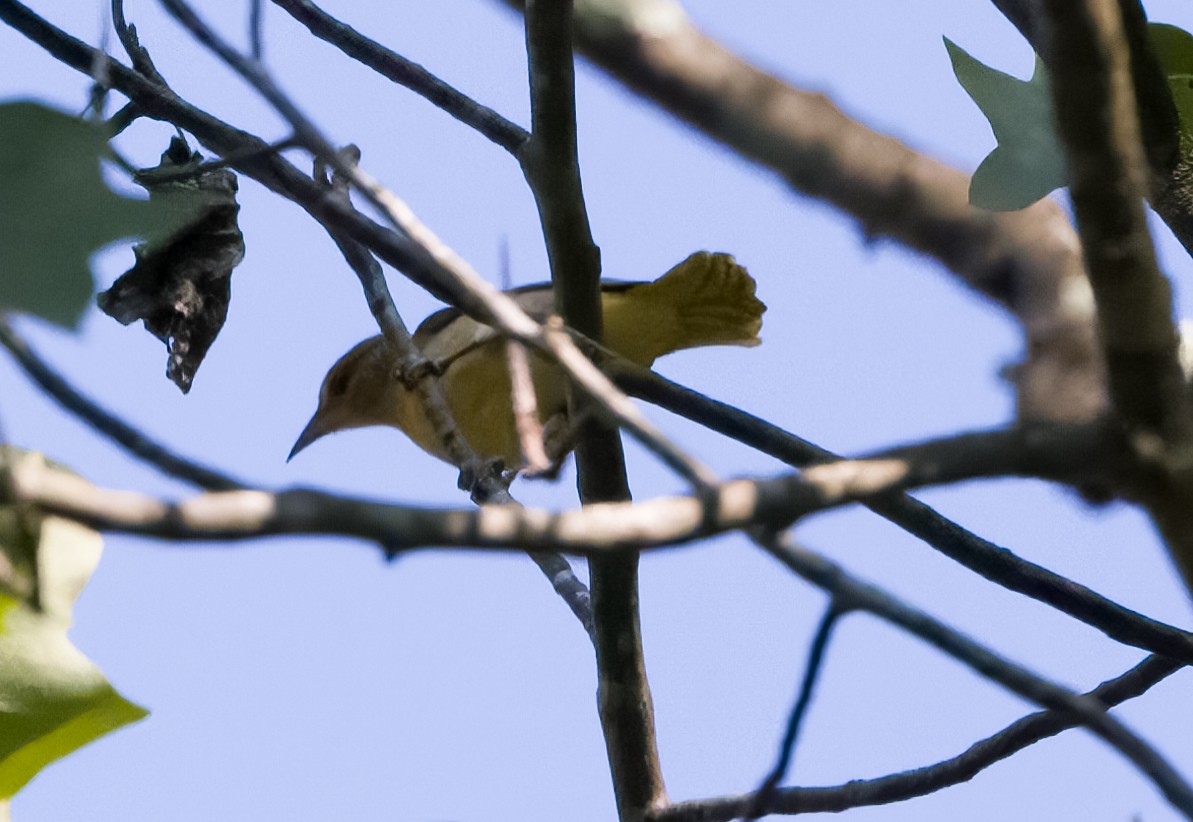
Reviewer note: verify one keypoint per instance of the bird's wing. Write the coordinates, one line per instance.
(449, 333)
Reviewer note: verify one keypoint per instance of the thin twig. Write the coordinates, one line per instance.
(256, 26)
(127, 34)
(526, 412)
(1019, 680)
(122, 119)
(567, 585)
(993, 562)
(109, 425)
(764, 796)
(397, 68)
(393, 328)
(899, 787)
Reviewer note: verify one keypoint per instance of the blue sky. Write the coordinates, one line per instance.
(305, 679)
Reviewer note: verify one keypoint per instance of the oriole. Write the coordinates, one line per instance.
(708, 299)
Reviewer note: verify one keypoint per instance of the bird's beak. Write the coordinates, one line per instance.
(314, 430)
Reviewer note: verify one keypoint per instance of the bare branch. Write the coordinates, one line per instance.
(397, 68)
(127, 35)
(1094, 98)
(991, 561)
(1098, 123)
(256, 38)
(252, 514)
(910, 784)
(597, 528)
(1089, 712)
(567, 585)
(764, 796)
(109, 425)
(526, 411)
(550, 162)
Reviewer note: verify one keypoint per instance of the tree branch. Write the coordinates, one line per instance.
(397, 68)
(1094, 98)
(550, 163)
(1089, 712)
(109, 425)
(993, 562)
(900, 787)
(764, 796)
(598, 528)
(1171, 183)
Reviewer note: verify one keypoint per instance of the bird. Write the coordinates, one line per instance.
(707, 299)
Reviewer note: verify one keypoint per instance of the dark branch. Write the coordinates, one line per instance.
(900, 787)
(550, 162)
(404, 72)
(109, 425)
(1171, 183)
(1089, 712)
(1096, 113)
(765, 794)
(127, 35)
(995, 563)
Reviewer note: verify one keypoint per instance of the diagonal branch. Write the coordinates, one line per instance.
(407, 73)
(134, 441)
(1089, 712)
(900, 787)
(991, 561)
(1171, 173)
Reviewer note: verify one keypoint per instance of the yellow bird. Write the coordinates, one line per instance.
(708, 299)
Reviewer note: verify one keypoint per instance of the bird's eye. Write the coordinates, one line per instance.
(337, 384)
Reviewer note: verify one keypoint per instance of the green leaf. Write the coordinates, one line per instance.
(1174, 49)
(53, 700)
(1028, 161)
(56, 211)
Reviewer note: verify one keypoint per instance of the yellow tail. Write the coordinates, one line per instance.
(708, 299)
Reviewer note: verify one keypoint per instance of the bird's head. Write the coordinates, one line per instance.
(360, 389)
